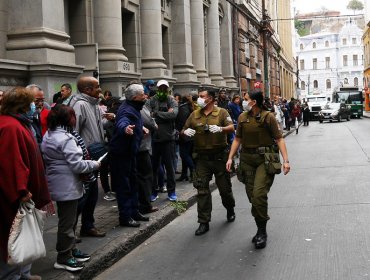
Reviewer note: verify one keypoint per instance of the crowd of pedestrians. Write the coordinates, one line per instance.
(60, 151)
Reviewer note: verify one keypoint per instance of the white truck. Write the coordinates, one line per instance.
(316, 103)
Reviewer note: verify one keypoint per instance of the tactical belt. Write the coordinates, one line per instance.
(259, 150)
(211, 155)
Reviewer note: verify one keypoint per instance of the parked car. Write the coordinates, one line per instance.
(335, 111)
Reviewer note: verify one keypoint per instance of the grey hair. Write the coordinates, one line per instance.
(32, 86)
(132, 90)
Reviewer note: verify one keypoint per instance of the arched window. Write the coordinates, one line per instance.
(301, 46)
(328, 84)
(326, 43)
(315, 84)
(303, 85)
(345, 81)
(355, 82)
(314, 45)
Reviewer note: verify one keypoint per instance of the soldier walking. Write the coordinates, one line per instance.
(209, 126)
(257, 132)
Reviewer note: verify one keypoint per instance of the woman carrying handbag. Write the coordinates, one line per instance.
(20, 167)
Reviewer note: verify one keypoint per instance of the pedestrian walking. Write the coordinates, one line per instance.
(259, 135)
(209, 126)
(306, 114)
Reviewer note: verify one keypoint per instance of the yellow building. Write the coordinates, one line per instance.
(287, 62)
(366, 43)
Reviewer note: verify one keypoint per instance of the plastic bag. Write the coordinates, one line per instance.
(25, 243)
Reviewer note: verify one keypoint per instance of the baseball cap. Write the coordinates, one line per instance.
(162, 82)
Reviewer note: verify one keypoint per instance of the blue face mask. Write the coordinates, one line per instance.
(32, 110)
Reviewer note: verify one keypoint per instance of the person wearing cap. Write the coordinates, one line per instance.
(149, 87)
(164, 110)
(124, 146)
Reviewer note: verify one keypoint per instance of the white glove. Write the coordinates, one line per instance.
(189, 132)
(215, 128)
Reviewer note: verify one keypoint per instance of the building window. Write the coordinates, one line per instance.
(345, 81)
(314, 45)
(301, 64)
(344, 41)
(328, 84)
(355, 82)
(247, 52)
(327, 44)
(315, 84)
(314, 64)
(354, 41)
(301, 46)
(327, 62)
(303, 85)
(355, 60)
(345, 60)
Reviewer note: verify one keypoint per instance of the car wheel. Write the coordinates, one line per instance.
(339, 118)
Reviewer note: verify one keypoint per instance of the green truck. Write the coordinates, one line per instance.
(352, 97)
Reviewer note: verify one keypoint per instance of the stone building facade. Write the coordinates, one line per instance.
(188, 42)
(280, 63)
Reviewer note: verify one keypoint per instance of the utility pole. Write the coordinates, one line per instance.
(265, 35)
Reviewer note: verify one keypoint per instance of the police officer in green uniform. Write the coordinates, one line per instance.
(209, 126)
(260, 138)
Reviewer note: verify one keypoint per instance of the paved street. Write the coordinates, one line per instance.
(319, 227)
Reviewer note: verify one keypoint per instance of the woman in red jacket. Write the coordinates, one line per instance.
(296, 113)
(22, 171)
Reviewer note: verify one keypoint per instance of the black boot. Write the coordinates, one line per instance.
(260, 239)
(230, 215)
(183, 177)
(202, 229)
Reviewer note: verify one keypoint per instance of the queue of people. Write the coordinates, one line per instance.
(86, 133)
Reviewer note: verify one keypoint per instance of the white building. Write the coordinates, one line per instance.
(327, 61)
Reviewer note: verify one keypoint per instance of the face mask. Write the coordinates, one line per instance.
(32, 110)
(201, 102)
(246, 106)
(162, 96)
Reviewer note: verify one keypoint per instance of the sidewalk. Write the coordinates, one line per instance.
(366, 114)
(119, 241)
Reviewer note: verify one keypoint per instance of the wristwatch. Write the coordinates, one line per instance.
(286, 161)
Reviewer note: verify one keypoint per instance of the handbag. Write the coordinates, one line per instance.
(272, 163)
(25, 243)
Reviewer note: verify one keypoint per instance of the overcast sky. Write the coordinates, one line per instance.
(307, 6)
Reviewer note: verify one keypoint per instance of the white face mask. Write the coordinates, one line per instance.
(201, 102)
(246, 106)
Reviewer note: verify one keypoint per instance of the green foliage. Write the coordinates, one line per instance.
(180, 206)
(300, 27)
(355, 5)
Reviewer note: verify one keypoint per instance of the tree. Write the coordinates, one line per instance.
(355, 5)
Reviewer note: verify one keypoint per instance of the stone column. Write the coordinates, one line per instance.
(197, 40)
(183, 68)
(153, 65)
(227, 53)
(214, 47)
(108, 35)
(37, 32)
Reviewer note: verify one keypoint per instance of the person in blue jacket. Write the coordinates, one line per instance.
(124, 146)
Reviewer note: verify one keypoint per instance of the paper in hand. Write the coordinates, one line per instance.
(102, 157)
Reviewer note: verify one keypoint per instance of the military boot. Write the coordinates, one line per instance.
(260, 239)
(202, 229)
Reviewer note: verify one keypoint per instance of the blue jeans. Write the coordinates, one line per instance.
(14, 272)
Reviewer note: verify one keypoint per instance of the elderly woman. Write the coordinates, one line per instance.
(65, 159)
(21, 171)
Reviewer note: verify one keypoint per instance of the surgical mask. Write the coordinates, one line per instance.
(32, 110)
(246, 106)
(201, 102)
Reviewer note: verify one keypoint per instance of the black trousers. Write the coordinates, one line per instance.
(144, 179)
(164, 151)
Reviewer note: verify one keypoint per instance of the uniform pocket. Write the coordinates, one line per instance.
(272, 163)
